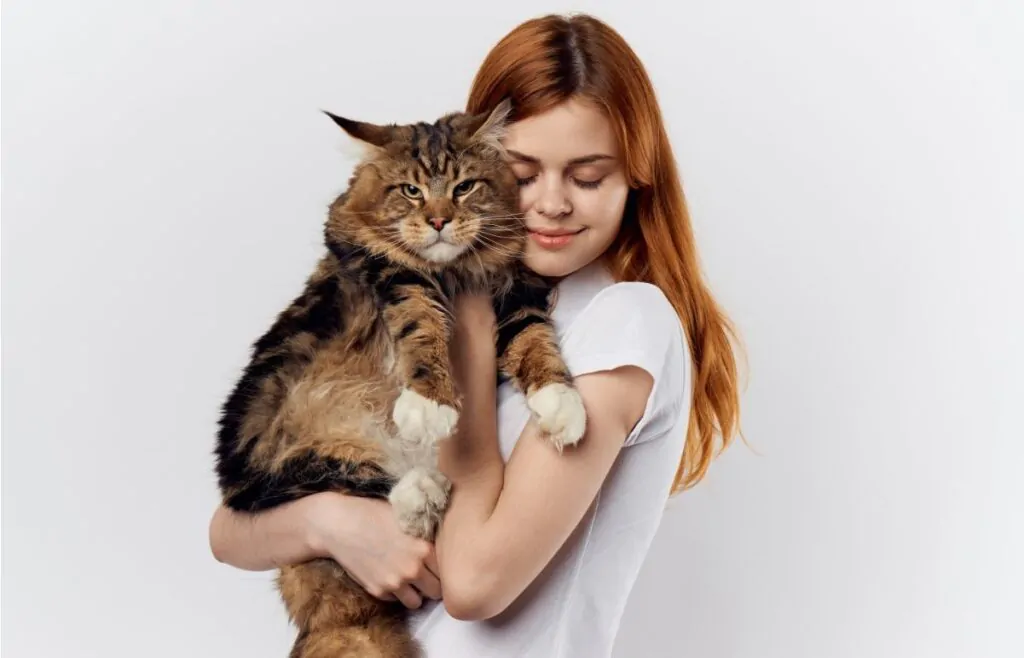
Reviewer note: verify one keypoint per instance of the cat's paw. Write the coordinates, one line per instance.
(560, 414)
(419, 499)
(420, 420)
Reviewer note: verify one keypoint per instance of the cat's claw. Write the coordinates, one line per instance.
(560, 414)
(421, 420)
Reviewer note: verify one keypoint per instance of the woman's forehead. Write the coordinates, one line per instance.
(570, 131)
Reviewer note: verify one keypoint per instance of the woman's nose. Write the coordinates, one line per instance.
(553, 201)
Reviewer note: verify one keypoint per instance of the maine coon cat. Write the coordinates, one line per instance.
(350, 389)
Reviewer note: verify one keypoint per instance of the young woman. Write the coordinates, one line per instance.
(546, 546)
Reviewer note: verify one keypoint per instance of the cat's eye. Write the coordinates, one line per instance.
(412, 191)
(464, 188)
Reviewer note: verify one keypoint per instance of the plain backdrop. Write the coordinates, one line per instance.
(854, 172)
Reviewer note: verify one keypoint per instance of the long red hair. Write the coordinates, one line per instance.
(546, 61)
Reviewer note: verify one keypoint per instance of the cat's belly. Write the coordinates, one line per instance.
(340, 406)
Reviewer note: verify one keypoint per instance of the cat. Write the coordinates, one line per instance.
(350, 389)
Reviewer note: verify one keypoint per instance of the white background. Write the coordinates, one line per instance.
(854, 172)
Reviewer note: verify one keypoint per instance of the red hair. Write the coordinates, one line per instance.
(549, 60)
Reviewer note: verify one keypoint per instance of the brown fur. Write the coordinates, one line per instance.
(350, 389)
(534, 358)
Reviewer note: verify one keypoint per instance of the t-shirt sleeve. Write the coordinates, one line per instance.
(633, 323)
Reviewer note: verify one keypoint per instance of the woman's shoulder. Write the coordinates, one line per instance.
(638, 297)
(592, 292)
(635, 306)
(628, 321)
(633, 324)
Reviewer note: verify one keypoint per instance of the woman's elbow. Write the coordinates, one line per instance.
(470, 608)
(218, 547)
(473, 598)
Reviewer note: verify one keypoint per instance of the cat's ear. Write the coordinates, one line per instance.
(369, 134)
(488, 129)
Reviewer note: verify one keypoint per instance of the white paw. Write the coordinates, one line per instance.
(421, 420)
(560, 414)
(419, 499)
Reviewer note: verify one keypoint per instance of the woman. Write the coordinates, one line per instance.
(546, 546)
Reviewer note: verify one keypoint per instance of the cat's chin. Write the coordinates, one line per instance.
(441, 252)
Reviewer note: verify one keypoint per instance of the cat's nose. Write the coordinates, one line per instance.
(439, 222)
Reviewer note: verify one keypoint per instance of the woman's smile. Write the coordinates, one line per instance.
(554, 238)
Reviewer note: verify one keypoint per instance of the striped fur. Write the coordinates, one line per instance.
(350, 388)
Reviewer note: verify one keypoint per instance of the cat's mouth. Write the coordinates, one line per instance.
(441, 251)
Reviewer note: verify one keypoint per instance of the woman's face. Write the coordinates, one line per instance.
(572, 185)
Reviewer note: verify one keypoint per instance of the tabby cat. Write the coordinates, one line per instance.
(350, 389)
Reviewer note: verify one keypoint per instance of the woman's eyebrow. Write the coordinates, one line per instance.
(582, 160)
(522, 157)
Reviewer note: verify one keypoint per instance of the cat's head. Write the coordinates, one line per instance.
(432, 195)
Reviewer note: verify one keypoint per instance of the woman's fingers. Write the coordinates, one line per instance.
(409, 597)
(430, 561)
(428, 585)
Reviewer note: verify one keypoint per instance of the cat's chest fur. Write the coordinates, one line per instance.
(352, 380)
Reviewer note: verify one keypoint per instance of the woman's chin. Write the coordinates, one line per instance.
(552, 264)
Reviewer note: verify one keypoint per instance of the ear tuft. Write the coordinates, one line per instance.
(368, 133)
(493, 126)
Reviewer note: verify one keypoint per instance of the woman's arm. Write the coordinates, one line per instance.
(263, 541)
(361, 534)
(505, 523)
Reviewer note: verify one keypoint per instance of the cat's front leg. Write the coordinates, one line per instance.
(427, 409)
(528, 352)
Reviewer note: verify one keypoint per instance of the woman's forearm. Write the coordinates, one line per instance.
(360, 534)
(265, 540)
(472, 461)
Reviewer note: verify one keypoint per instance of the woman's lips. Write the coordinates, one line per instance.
(553, 239)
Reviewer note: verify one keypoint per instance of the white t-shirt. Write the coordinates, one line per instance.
(572, 610)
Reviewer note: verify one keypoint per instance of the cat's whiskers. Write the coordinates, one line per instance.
(505, 253)
(487, 218)
(504, 235)
(496, 247)
(502, 232)
(490, 226)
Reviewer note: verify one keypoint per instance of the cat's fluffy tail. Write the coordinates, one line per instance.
(338, 619)
(379, 638)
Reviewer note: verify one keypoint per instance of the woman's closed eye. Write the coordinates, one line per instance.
(578, 182)
(588, 184)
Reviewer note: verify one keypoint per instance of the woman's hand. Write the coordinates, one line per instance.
(358, 533)
(362, 535)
